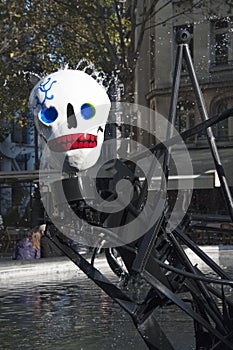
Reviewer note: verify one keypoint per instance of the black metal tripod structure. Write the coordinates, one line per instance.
(157, 261)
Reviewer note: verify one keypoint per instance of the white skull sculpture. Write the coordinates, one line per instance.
(70, 111)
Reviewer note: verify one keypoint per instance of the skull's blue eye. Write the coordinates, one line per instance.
(87, 111)
(49, 115)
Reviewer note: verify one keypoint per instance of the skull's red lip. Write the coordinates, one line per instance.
(73, 141)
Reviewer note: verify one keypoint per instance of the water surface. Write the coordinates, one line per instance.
(73, 313)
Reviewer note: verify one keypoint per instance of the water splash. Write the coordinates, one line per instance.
(31, 77)
(99, 75)
(109, 81)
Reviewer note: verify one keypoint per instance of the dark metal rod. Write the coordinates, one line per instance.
(180, 303)
(149, 238)
(173, 106)
(186, 240)
(96, 276)
(209, 132)
(171, 122)
(149, 332)
(208, 301)
(184, 134)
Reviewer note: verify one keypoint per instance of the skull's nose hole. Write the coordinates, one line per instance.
(71, 119)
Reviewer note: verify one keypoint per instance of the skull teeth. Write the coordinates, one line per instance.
(72, 142)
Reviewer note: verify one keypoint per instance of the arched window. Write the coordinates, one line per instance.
(185, 116)
(221, 130)
(222, 40)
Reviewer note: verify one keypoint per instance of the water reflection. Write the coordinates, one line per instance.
(75, 314)
(64, 315)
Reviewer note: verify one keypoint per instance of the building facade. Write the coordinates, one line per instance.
(18, 155)
(211, 47)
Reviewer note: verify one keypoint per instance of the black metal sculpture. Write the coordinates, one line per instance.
(157, 261)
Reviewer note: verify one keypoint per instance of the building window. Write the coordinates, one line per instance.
(221, 130)
(222, 36)
(185, 116)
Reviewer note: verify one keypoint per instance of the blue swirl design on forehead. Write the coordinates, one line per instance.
(44, 88)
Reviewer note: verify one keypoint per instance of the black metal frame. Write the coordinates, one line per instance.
(158, 260)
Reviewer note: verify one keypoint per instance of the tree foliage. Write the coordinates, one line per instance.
(39, 36)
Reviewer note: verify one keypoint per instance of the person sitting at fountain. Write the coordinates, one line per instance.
(29, 247)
